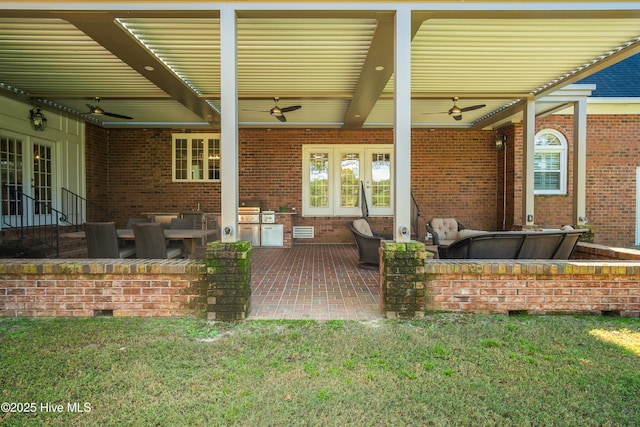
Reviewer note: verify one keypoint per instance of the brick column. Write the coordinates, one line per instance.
(403, 279)
(229, 280)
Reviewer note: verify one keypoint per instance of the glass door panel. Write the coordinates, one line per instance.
(350, 180)
(42, 179)
(318, 180)
(11, 164)
(379, 191)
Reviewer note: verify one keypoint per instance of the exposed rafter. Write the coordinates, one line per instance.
(104, 29)
(376, 71)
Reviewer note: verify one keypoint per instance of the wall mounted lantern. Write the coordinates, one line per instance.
(38, 120)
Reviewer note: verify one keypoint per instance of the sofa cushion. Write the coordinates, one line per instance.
(444, 243)
(362, 226)
(467, 232)
(446, 228)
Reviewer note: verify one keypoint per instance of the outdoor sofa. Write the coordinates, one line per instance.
(548, 244)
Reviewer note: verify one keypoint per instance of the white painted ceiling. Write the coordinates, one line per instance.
(324, 61)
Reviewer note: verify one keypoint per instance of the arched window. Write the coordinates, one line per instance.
(550, 164)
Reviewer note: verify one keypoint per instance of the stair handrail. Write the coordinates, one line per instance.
(416, 212)
(76, 209)
(416, 215)
(363, 204)
(35, 219)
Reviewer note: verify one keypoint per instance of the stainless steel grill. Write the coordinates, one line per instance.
(249, 215)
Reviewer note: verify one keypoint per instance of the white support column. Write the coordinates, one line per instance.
(579, 160)
(528, 158)
(229, 124)
(402, 134)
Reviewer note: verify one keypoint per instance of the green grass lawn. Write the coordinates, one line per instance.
(446, 369)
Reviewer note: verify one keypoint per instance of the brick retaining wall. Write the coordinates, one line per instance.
(92, 287)
(592, 251)
(535, 287)
(411, 287)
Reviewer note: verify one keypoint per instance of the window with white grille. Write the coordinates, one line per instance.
(550, 163)
(196, 157)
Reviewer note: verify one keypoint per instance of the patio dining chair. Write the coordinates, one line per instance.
(182, 224)
(151, 243)
(132, 221)
(102, 241)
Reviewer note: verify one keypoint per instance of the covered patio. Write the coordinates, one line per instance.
(424, 70)
(363, 73)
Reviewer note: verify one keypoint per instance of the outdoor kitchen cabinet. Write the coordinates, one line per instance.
(272, 235)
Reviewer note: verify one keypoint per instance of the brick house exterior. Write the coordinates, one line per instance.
(455, 173)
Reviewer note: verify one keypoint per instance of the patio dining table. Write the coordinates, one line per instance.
(188, 236)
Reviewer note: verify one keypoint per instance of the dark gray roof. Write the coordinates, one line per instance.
(619, 80)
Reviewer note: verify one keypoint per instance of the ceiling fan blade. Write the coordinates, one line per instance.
(281, 118)
(430, 114)
(473, 107)
(119, 116)
(290, 108)
(256, 111)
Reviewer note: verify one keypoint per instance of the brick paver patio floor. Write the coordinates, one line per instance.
(312, 281)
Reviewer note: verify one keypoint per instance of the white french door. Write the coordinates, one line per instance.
(42, 178)
(27, 165)
(334, 178)
(377, 183)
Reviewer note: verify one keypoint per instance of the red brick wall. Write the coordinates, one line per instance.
(499, 286)
(270, 170)
(50, 288)
(613, 153)
(455, 173)
(138, 177)
(97, 169)
(534, 287)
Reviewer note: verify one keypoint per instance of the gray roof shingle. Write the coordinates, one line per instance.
(619, 80)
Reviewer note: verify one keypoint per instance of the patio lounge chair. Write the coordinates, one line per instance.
(102, 241)
(444, 230)
(368, 244)
(151, 243)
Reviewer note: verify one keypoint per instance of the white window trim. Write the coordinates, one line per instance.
(334, 151)
(190, 137)
(562, 149)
